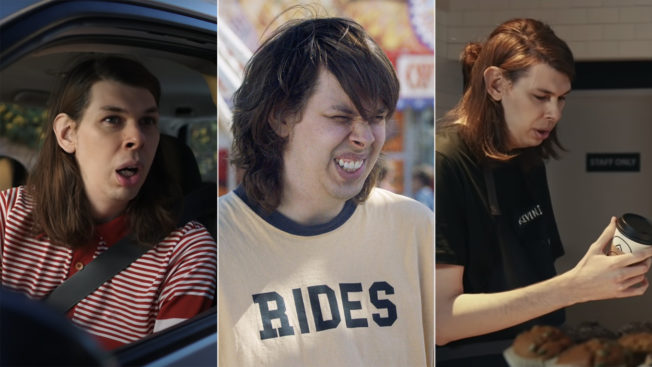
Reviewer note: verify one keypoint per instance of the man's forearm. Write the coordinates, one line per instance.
(469, 315)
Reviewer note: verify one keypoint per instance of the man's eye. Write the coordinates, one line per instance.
(111, 120)
(341, 118)
(541, 98)
(149, 121)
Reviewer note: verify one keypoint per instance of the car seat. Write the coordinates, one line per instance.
(12, 173)
(200, 197)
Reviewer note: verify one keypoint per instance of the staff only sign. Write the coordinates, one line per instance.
(613, 162)
(417, 76)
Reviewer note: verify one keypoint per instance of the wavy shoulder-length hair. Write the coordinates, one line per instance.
(513, 46)
(280, 78)
(61, 207)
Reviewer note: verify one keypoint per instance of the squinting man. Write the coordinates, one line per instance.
(318, 267)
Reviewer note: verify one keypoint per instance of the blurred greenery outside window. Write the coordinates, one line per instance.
(202, 139)
(22, 124)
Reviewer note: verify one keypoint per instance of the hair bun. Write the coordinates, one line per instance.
(468, 58)
(470, 53)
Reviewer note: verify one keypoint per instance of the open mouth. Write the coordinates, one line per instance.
(543, 133)
(349, 165)
(127, 171)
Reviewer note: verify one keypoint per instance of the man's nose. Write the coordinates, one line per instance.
(554, 109)
(133, 136)
(361, 134)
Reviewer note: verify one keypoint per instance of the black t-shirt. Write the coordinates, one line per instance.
(514, 246)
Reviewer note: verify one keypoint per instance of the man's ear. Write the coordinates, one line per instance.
(65, 129)
(495, 82)
(280, 124)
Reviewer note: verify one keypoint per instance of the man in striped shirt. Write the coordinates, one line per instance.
(99, 178)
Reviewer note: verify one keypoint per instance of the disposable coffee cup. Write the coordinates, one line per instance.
(633, 233)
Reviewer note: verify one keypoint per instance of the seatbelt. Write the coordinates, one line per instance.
(97, 272)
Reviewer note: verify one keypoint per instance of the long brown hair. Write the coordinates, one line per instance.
(513, 46)
(280, 78)
(61, 207)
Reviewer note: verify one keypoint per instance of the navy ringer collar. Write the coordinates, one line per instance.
(286, 224)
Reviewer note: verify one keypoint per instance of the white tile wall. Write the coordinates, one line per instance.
(619, 32)
(595, 29)
(602, 15)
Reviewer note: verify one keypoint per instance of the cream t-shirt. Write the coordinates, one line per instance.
(357, 291)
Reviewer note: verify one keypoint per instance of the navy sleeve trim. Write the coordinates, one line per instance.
(286, 224)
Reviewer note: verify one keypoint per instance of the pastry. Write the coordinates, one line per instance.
(541, 342)
(594, 352)
(639, 348)
(636, 327)
(588, 330)
(637, 342)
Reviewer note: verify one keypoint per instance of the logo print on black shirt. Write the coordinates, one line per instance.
(530, 215)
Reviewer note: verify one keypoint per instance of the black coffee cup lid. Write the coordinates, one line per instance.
(635, 227)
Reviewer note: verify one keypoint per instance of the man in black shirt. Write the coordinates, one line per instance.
(496, 237)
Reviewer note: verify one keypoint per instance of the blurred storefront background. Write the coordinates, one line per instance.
(405, 31)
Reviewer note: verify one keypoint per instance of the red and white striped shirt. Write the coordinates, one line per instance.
(171, 282)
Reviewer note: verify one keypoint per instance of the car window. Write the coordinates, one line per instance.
(21, 124)
(202, 139)
(20, 138)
